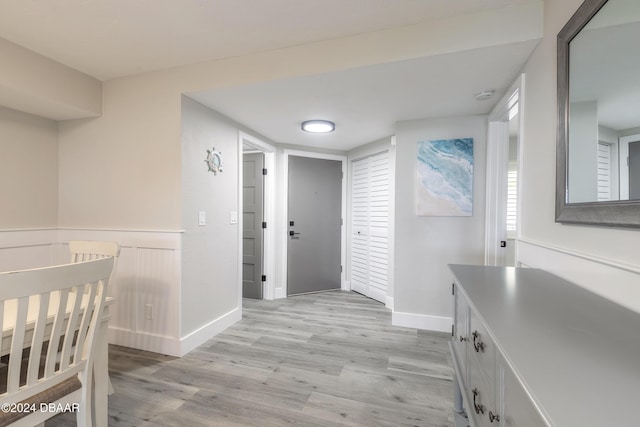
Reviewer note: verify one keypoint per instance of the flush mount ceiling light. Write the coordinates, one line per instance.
(484, 95)
(318, 126)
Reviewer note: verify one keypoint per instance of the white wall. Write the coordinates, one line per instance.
(123, 169)
(28, 171)
(425, 245)
(210, 278)
(613, 247)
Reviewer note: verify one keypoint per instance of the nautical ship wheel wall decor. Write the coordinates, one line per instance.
(214, 161)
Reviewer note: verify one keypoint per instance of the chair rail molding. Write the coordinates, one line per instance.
(608, 278)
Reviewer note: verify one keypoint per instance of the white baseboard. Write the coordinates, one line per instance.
(208, 331)
(422, 321)
(143, 341)
(609, 279)
(346, 285)
(280, 293)
(169, 345)
(389, 303)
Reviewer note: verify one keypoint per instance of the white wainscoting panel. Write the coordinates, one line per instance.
(146, 286)
(28, 248)
(609, 279)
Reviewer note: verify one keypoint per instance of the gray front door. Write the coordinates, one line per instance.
(252, 208)
(634, 171)
(315, 209)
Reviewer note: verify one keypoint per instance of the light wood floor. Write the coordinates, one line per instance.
(330, 359)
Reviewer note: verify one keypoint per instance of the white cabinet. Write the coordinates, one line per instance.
(517, 410)
(532, 350)
(474, 351)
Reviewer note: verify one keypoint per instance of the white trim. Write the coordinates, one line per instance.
(422, 321)
(610, 279)
(123, 230)
(240, 228)
(280, 293)
(604, 261)
(269, 214)
(392, 225)
(13, 239)
(497, 168)
(285, 207)
(211, 329)
(162, 344)
(126, 238)
(623, 164)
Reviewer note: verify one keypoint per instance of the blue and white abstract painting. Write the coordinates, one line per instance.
(445, 177)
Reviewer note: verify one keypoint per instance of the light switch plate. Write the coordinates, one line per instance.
(233, 217)
(202, 218)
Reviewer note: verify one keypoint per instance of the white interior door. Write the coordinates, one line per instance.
(370, 226)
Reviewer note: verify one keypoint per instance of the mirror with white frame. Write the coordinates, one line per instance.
(598, 170)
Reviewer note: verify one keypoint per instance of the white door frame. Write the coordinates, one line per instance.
(497, 168)
(285, 209)
(269, 236)
(623, 168)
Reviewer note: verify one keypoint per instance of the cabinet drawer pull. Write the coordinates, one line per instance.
(494, 417)
(478, 407)
(477, 345)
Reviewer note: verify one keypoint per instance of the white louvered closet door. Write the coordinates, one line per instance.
(370, 225)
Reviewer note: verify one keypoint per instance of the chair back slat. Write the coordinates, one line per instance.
(38, 339)
(54, 308)
(84, 324)
(17, 344)
(56, 333)
(72, 323)
(85, 250)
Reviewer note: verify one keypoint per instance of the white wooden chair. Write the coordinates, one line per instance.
(49, 321)
(85, 250)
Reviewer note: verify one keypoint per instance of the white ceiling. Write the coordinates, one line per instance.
(365, 103)
(110, 39)
(114, 38)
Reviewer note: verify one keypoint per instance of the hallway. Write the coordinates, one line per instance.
(329, 359)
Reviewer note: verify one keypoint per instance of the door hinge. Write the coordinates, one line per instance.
(264, 171)
(452, 331)
(341, 222)
(264, 278)
(340, 269)
(453, 289)
(264, 224)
